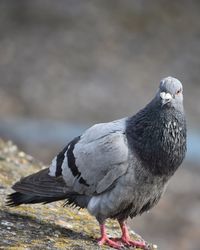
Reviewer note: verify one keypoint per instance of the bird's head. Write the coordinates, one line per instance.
(170, 93)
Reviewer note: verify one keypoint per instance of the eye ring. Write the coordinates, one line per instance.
(179, 91)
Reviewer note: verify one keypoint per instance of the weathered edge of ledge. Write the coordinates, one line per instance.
(42, 226)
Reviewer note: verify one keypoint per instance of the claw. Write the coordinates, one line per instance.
(104, 240)
(125, 239)
(133, 243)
(118, 243)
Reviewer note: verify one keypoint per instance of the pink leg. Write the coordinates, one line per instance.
(104, 240)
(126, 237)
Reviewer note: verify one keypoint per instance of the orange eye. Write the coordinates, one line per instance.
(178, 92)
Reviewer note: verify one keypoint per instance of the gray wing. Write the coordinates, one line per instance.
(91, 163)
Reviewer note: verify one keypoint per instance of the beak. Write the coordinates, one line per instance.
(165, 97)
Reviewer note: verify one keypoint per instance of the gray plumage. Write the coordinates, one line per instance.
(116, 169)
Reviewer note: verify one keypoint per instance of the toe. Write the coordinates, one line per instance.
(134, 243)
(112, 243)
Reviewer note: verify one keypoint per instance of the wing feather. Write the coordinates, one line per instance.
(99, 157)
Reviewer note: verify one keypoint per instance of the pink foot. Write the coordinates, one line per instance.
(104, 240)
(133, 243)
(129, 242)
(125, 239)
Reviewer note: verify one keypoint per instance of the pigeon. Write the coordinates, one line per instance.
(118, 169)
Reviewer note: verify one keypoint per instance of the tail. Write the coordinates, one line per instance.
(17, 198)
(38, 188)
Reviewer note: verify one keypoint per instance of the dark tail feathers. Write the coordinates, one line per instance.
(42, 188)
(17, 198)
(37, 188)
(74, 200)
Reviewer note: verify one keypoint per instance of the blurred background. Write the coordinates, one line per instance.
(65, 65)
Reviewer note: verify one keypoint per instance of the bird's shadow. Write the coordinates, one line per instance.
(26, 226)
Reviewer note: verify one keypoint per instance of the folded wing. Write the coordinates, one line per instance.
(90, 164)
